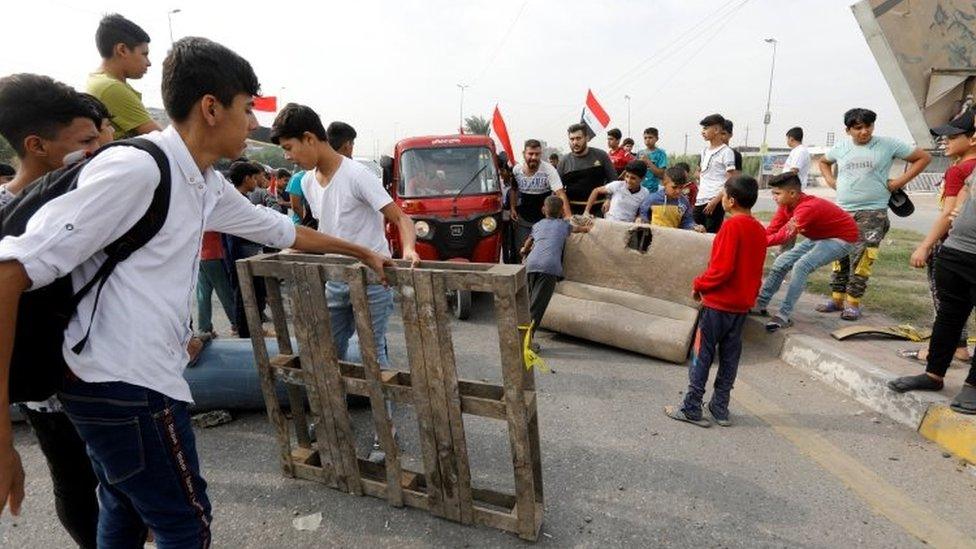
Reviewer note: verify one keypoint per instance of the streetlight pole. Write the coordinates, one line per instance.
(169, 17)
(769, 96)
(462, 87)
(627, 99)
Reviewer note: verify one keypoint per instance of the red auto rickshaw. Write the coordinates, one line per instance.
(449, 186)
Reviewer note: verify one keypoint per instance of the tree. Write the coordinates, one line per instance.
(476, 125)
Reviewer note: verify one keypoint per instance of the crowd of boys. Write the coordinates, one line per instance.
(120, 396)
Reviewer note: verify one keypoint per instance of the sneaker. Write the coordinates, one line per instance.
(851, 313)
(778, 323)
(676, 413)
(830, 306)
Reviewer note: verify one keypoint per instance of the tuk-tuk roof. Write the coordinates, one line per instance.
(444, 142)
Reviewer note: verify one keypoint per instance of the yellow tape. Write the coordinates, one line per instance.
(532, 360)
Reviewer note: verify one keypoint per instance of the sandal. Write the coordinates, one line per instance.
(721, 421)
(921, 382)
(778, 323)
(851, 313)
(676, 413)
(965, 401)
(829, 306)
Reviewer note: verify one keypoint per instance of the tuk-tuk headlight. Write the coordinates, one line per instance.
(488, 225)
(422, 228)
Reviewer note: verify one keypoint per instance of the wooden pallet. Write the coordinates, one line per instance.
(314, 375)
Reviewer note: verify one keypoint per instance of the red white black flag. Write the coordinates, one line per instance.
(594, 117)
(501, 132)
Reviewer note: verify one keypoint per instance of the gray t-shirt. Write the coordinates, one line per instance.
(962, 235)
(549, 237)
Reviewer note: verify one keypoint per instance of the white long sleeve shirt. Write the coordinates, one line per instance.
(142, 324)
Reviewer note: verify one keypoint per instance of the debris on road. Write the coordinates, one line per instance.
(308, 523)
(211, 419)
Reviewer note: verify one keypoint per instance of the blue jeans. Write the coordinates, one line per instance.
(344, 323)
(724, 331)
(225, 376)
(212, 279)
(806, 257)
(144, 455)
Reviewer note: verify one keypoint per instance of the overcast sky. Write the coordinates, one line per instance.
(391, 68)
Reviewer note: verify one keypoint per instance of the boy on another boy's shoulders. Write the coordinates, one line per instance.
(830, 235)
(625, 196)
(727, 290)
(669, 207)
(543, 253)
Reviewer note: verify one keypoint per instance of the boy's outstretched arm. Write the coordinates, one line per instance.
(13, 283)
(308, 240)
(596, 193)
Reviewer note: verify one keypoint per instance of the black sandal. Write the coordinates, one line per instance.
(676, 413)
(921, 382)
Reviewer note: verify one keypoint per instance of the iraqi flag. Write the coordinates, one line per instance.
(267, 103)
(498, 126)
(594, 117)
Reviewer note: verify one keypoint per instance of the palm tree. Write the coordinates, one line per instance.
(476, 125)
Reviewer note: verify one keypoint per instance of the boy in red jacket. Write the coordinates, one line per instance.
(727, 290)
(830, 235)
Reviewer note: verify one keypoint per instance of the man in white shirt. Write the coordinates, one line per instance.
(127, 398)
(716, 165)
(799, 159)
(535, 181)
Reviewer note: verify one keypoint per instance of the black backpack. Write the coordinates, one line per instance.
(37, 367)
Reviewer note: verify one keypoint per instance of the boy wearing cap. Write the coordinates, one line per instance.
(954, 269)
(626, 196)
(863, 190)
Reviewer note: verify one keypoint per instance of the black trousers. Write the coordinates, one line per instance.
(712, 222)
(955, 282)
(541, 288)
(71, 473)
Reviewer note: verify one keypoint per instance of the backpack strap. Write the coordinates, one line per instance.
(136, 237)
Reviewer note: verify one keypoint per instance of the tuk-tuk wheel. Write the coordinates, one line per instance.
(462, 304)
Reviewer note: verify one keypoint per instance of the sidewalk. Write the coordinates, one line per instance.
(862, 365)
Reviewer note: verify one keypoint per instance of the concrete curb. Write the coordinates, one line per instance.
(924, 412)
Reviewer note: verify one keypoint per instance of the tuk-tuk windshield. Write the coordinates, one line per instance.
(443, 172)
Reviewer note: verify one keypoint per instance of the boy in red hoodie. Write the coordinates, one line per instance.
(727, 290)
(830, 235)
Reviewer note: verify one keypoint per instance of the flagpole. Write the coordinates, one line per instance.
(461, 114)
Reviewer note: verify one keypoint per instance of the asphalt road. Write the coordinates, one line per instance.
(803, 466)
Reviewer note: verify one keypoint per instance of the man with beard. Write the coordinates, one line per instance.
(583, 170)
(535, 181)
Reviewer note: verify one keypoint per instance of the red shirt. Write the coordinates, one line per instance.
(955, 178)
(734, 274)
(814, 218)
(212, 248)
(692, 193)
(619, 158)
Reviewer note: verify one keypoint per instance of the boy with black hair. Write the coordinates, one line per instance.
(124, 48)
(583, 169)
(716, 166)
(127, 390)
(342, 138)
(543, 253)
(727, 290)
(102, 119)
(798, 161)
(655, 158)
(669, 207)
(863, 190)
(727, 128)
(955, 269)
(46, 121)
(626, 196)
(618, 155)
(830, 234)
(628, 145)
(554, 160)
(245, 176)
(691, 189)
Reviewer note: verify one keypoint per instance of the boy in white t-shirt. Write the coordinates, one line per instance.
(348, 200)
(625, 196)
(716, 165)
(799, 159)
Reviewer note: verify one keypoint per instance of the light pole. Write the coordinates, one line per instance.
(462, 87)
(627, 99)
(769, 96)
(169, 17)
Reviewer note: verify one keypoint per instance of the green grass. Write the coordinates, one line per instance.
(896, 289)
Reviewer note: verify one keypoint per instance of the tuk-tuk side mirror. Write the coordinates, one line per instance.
(386, 163)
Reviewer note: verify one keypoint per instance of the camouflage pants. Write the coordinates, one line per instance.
(873, 225)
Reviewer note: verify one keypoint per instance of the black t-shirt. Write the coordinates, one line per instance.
(581, 174)
(738, 160)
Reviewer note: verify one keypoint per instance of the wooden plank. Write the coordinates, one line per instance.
(528, 385)
(265, 372)
(371, 362)
(422, 407)
(436, 393)
(278, 315)
(325, 370)
(448, 369)
(509, 341)
(325, 433)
